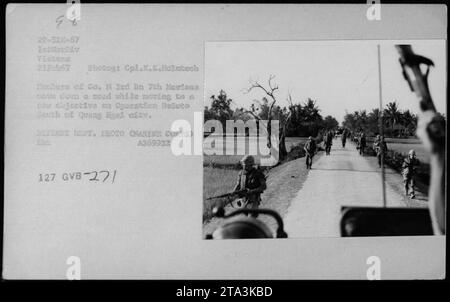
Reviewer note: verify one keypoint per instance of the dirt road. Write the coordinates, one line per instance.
(310, 201)
(340, 179)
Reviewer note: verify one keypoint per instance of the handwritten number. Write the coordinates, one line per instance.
(114, 177)
(107, 175)
(60, 20)
(95, 177)
(96, 174)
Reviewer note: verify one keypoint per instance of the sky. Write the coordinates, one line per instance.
(340, 75)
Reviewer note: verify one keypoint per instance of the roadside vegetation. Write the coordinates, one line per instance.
(297, 120)
(220, 174)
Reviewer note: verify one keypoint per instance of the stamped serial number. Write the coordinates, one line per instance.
(100, 176)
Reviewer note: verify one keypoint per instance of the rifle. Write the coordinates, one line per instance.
(419, 83)
(232, 194)
(411, 62)
(431, 129)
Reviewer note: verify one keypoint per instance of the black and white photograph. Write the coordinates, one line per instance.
(352, 119)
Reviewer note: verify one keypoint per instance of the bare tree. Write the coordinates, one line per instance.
(283, 121)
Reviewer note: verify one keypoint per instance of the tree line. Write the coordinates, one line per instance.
(295, 119)
(304, 118)
(396, 122)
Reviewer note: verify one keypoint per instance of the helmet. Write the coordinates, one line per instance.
(310, 138)
(412, 152)
(242, 227)
(248, 160)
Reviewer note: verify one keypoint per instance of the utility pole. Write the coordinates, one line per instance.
(381, 126)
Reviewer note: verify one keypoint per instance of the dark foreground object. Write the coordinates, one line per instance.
(367, 221)
(244, 227)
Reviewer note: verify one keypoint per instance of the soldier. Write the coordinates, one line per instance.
(409, 169)
(253, 181)
(328, 142)
(310, 149)
(362, 143)
(356, 139)
(344, 137)
(380, 148)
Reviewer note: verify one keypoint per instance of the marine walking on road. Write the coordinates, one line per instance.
(310, 149)
(344, 137)
(409, 171)
(380, 148)
(328, 140)
(361, 143)
(252, 181)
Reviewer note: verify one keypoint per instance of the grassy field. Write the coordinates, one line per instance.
(221, 160)
(216, 181)
(233, 160)
(405, 147)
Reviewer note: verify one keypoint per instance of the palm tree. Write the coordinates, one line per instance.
(392, 115)
(409, 122)
(310, 110)
(373, 120)
(311, 116)
(363, 117)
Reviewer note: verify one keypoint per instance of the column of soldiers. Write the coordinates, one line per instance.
(253, 181)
